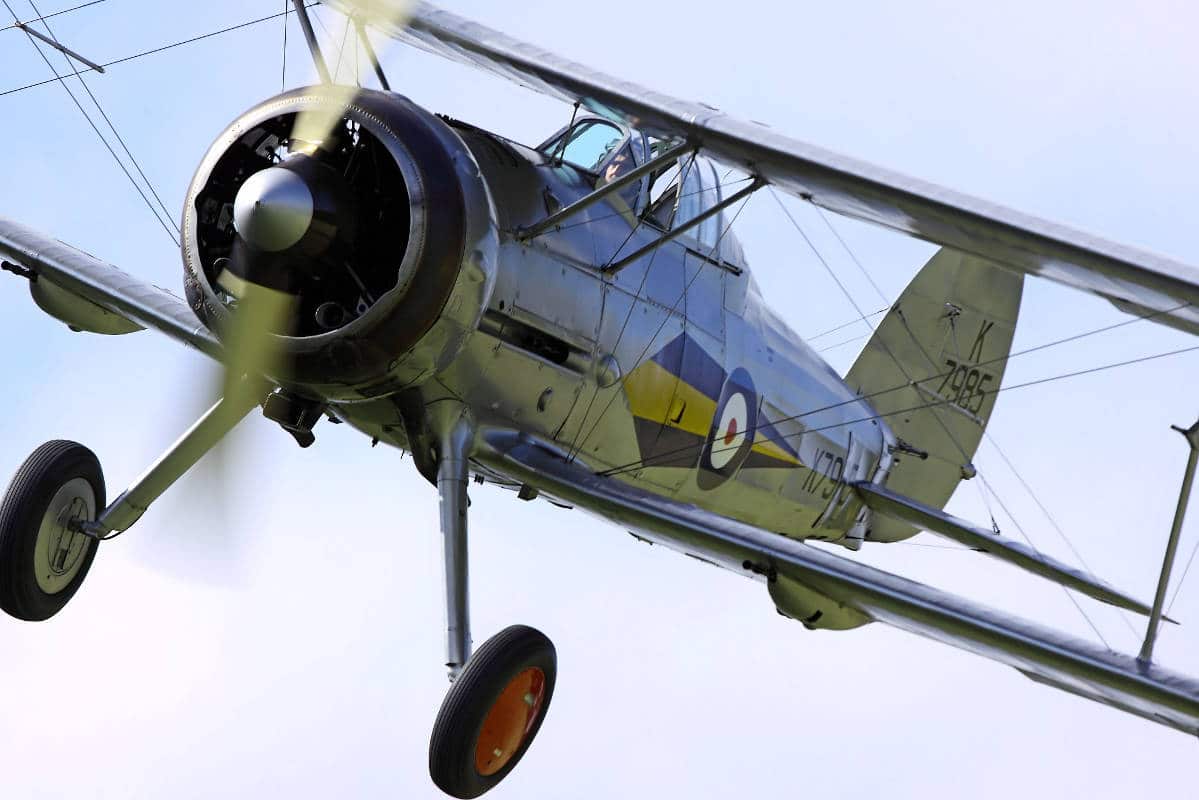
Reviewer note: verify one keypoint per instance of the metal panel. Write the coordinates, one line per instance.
(705, 294)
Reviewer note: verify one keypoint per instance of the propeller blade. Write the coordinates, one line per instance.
(313, 127)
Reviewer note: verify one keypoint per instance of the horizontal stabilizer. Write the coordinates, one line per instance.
(905, 509)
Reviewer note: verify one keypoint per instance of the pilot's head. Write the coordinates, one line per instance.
(616, 167)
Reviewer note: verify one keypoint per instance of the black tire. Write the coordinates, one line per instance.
(51, 467)
(456, 734)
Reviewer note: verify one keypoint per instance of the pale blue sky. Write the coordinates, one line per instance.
(280, 635)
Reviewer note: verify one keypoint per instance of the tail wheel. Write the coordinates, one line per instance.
(492, 712)
(43, 560)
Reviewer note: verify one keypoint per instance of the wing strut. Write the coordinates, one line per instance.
(590, 199)
(1184, 497)
(314, 46)
(62, 48)
(370, 53)
(676, 231)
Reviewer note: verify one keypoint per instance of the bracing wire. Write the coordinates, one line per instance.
(1024, 535)
(156, 50)
(1009, 356)
(1052, 520)
(695, 448)
(853, 257)
(666, 318)
(1182, 578)
(120, 139)
(59, 78)
(989, 436)
(341, 49)
(844, 325)
(577, 448)
(54, 14)
(286, 11)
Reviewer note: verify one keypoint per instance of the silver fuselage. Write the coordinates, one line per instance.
(650, 373)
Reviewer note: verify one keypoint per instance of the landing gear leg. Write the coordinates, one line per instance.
(171, 465)
(453, 474)
(53, 514)
(498, 696)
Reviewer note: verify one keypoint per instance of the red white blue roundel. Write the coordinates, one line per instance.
(732, 432)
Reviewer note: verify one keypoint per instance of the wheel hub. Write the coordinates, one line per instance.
(59, 550)
(509, 721)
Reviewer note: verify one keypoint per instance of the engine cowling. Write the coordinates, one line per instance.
(380, 226)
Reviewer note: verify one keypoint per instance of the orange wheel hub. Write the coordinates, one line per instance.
(509, 721)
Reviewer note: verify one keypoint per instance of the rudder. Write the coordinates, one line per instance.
(943, 344)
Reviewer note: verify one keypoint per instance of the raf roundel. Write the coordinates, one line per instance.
(731, 435)
(730, 430)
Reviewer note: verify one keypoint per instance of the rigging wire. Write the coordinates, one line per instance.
(1025, 536)
(1007, 357)
(945, 428)
(681, 298)
(668, 455)
(844, 342)
(886, 348)
(149, 185)
(286, 11)
(852, 256)
(156, 50)
(90, 122)
(1182, 579)
(341, 48)
(958, 548)
(684, 173)
(53, 14)
(885, 309)
(989, 436)
(1052, 520)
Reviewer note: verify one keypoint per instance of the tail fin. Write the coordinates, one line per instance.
(945, 343)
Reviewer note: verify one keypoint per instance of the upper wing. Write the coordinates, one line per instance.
(87, 280)
(859, 590)
(1134, 280)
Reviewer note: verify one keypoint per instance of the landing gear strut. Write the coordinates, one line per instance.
(499, 695)
(54, 514)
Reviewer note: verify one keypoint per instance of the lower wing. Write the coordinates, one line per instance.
(87, 293)
(855, 593)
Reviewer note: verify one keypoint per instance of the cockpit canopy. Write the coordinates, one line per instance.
(668, 197)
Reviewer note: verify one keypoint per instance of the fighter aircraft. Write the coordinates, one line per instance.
(578, 320)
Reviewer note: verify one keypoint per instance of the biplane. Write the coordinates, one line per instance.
(577, 320)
